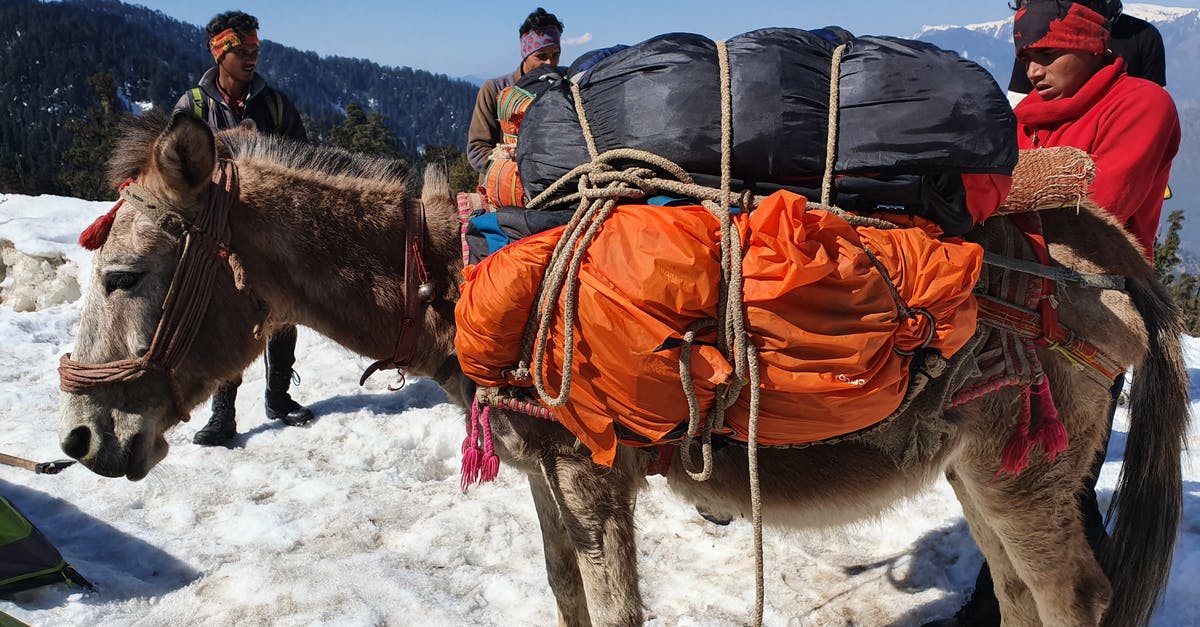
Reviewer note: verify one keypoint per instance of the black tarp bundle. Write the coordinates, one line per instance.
(912, 119)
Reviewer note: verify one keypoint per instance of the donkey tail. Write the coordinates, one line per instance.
(1148, 498)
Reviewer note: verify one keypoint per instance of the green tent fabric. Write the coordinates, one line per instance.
(9, 621)
(27, 559)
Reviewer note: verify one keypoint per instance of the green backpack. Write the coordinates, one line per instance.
(274, 105)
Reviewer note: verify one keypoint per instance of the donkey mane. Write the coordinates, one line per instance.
(137, 135)
(135, 138)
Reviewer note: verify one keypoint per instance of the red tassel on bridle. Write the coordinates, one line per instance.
(93, 237)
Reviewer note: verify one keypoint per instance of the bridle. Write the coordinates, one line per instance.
(204, 246)
(418, 293)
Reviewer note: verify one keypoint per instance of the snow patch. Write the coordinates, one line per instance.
(35, 282)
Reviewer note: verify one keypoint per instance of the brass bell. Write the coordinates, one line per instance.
(425, 292)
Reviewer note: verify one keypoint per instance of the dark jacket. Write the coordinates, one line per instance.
(271, 111)
(1133, 39)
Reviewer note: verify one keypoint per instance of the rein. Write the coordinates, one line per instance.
(205, 245)
(418, 293)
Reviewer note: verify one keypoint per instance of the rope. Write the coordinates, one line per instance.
(835, 71)
(599, 187)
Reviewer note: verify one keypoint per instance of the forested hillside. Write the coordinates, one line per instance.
(49, 50)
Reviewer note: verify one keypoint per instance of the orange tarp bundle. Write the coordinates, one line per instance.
(820, 314)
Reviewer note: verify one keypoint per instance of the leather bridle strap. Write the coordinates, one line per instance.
(205, 245)
(417, 293)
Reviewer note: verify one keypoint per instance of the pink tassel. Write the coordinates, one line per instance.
(491, 461)
(1016, 453)
(1051, 433)
(471, 462)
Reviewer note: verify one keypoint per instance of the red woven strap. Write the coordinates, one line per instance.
(1060, 339)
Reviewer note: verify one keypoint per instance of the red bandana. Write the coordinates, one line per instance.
(229, 39)
(1045, 24)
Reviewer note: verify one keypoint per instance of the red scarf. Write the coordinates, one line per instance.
(1037, 113)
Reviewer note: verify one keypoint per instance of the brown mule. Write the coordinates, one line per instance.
(333, 223)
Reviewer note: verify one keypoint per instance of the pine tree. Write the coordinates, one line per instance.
(1183, 286)
(94, 135)
(365, 133)
(1166, 252)
(463, 178)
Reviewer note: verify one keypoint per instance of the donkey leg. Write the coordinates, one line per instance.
(1037, 521)
(596, 506)
(1017, 605)
(562, 569)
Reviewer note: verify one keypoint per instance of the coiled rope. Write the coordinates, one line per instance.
(600, 186)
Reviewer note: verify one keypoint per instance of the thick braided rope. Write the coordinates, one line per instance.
(835, 70)
(599, 188)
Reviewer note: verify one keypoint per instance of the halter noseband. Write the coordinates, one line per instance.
(205, 244)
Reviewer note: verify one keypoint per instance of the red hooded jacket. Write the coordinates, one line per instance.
(1130, 128)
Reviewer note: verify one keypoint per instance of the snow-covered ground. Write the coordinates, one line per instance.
(358, 518)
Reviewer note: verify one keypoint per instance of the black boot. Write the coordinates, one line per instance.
(222, 426)
(281, 354)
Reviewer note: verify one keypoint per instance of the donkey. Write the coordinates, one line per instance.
(334, 224)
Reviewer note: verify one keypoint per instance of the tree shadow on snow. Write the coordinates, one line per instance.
(120, 566)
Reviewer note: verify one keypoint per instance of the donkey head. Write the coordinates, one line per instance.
(114, 423)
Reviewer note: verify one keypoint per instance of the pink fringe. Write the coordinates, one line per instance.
(1016, 453)
(479, 465)
(1050, 433)
(491, 461)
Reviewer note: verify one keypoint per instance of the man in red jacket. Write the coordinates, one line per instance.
(1083, 97)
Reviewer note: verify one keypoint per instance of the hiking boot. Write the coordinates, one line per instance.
(281, 354)
(222, 426)
(981, 610)
(715, 518)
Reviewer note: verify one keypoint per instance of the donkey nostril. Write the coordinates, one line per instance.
(78, 442)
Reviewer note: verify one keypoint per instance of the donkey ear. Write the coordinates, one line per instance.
(185, 154)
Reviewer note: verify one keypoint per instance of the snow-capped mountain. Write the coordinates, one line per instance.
(990, 45)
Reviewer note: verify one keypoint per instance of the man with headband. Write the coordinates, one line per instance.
(1133, 39)
(1083, 97)
(227, 94)
(541, 37)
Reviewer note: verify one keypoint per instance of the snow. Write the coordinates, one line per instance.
(358, 518)
(1158, 14)
(992, 29)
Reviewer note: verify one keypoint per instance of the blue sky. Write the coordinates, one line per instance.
(460, 38)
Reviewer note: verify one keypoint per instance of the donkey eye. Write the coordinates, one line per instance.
(114, 281)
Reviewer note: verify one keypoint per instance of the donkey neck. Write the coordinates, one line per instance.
(328, 253)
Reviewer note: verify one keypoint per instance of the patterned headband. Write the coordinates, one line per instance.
(229, 39)
(535, 40)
